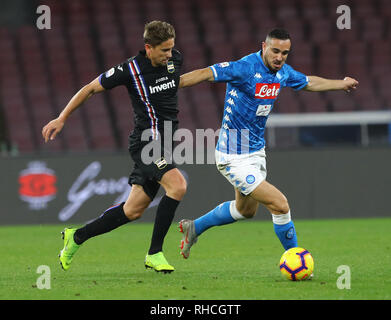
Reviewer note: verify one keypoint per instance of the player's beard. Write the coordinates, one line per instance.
(275, 67)
(269, 63)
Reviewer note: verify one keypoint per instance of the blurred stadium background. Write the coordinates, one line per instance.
(40, 70)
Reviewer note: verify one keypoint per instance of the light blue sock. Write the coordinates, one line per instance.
(218, 216)
(287, 234)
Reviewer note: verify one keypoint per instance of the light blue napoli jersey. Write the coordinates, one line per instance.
(252, 89)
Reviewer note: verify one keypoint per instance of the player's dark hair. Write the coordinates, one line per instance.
(156, 32)
(280, 34)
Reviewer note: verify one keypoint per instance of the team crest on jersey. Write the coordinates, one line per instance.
(170, 66)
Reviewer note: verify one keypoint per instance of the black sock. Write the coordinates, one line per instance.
(164, 215)
(112, 218)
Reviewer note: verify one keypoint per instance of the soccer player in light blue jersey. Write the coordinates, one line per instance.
(253, 85)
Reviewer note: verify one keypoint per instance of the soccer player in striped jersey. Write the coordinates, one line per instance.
(152, 80)
(253, 84)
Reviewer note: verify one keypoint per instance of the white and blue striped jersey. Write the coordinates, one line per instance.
(252, 88)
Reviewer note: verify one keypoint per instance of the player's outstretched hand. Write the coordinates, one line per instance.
(52, 129)
(350, 84)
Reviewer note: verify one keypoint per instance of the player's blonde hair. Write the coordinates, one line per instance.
(156, 32)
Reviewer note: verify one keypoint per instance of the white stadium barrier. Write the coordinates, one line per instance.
(361, 118)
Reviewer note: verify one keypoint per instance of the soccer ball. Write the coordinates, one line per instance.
(297, 264)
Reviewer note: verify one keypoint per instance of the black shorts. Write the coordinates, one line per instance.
(148, 175)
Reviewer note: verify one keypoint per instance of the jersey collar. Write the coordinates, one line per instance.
(143, 55)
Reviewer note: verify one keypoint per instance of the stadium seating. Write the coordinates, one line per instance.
(42, 69)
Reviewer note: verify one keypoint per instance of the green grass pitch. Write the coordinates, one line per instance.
(238, 261)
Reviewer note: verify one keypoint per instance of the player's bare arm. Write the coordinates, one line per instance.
(51, 130)
(194, 77)
(321, 84)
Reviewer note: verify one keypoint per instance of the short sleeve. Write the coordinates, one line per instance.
(296, 79)
(234, 71)
(115, 76)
